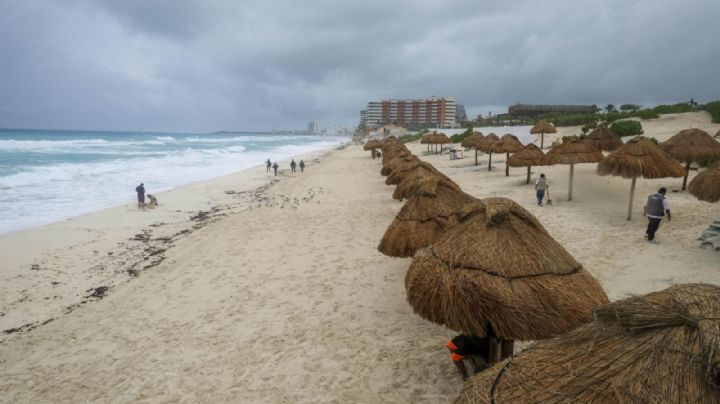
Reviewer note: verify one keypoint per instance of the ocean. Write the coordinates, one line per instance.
(48, 175)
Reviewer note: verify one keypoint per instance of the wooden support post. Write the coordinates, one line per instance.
(507, 167)
(489, 161)
(475, 156)
(528, 177)
(632, 195)
(494, 354)
(542, 139)
(506, 348)
(687, 172)
(572, 171)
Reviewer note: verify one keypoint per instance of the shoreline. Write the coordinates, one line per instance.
(115, 244)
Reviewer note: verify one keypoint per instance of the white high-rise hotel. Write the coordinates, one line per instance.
(433, 111)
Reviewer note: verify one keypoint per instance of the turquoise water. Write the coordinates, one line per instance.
(46, 176)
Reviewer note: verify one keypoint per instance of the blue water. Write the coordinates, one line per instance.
(46, 176)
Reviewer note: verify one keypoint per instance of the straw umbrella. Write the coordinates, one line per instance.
(639, 157)
(490, 139)
(691, 145)
(415, 168)
(507, 144)
(603, 138)
(396, 162)
(531, 155)
(663, 347)
(706, 185)
(472, 141)
(572, 151)
(441, 139)
(542, 127)
(408, 184)
(432, 208)
(373, 144)
(498, 273)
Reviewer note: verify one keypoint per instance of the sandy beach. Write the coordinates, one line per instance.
(262, 289)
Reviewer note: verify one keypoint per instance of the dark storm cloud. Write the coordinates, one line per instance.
(212, 64)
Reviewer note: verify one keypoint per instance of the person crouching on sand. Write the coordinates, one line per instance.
(153, 201)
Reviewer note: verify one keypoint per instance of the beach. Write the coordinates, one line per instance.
(264, 289)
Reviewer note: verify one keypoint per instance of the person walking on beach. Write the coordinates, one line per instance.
(302, 166)
(140, 189)
(268, 164)
(292, 165)
(275, 167)
(657, 206)
(541, 185)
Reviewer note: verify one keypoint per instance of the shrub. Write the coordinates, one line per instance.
(410, 138)
(626, 128)
(714, 109)
(616, 116)
(461, 136)
(629, 107)
(647, 114)
(674, 109)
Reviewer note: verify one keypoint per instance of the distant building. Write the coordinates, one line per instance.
(313, 127)
(529, 110)
(460, 115)
(411, 114)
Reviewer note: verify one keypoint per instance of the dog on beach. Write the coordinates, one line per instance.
(153, 202)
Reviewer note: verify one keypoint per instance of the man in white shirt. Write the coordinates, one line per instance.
(657, 206)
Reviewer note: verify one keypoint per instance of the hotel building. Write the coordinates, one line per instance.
(411, 114)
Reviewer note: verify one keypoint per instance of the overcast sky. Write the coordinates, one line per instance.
(205, 65)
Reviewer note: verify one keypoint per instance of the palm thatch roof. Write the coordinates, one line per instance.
(507, 144)
(408, 184)
(396, 162)
(573, 151)
(411, 169)
(530, 155)
(542, 127)
(692, 145)
(432, 208)
(663, 347)
(499, 272)
(706, 185)
(471, 141)
(442, 138)
(486, 143)
(603, 138)
(373, 144)
(640, 157)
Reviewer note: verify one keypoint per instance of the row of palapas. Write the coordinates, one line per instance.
(487, 267)
(639, 157)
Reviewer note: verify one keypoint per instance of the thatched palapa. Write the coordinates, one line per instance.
(639, 157)
(706, 185)
(507, 144)
(431, 209)
(542, 127)
(408, 184)
(603, 138)
(691, 145)
(397, 162)
(373, 144)
(472, 142)
(485, 146)
(572, 151)
(498, 272)
(663, 347)
(529, 156)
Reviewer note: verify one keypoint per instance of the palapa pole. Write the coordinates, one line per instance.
(490, 161)
(507, 167)
(687, 172)
(528, 177)
(475, 156)
(542, 138)
(632, 195)
(572, 171)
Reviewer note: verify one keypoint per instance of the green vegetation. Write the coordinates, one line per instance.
(674, 109)
(714, 109)
(626, 128)
(410, 138)
(629, 107)
(647, 114)
(573, 119)
(461, 136)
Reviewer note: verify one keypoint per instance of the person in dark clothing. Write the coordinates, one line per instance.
(373, 153)
(657, 206)
(292, 165)
(268, 164)
(302, 166)
(275, 167)
(140, 189)
(475, 349)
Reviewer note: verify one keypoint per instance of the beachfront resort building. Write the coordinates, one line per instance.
(534, 111)
(411, 113)
(313, 127)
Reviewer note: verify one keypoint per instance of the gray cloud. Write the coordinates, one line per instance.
(197, 65)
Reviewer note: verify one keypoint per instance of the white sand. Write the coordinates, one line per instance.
(280, 294)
